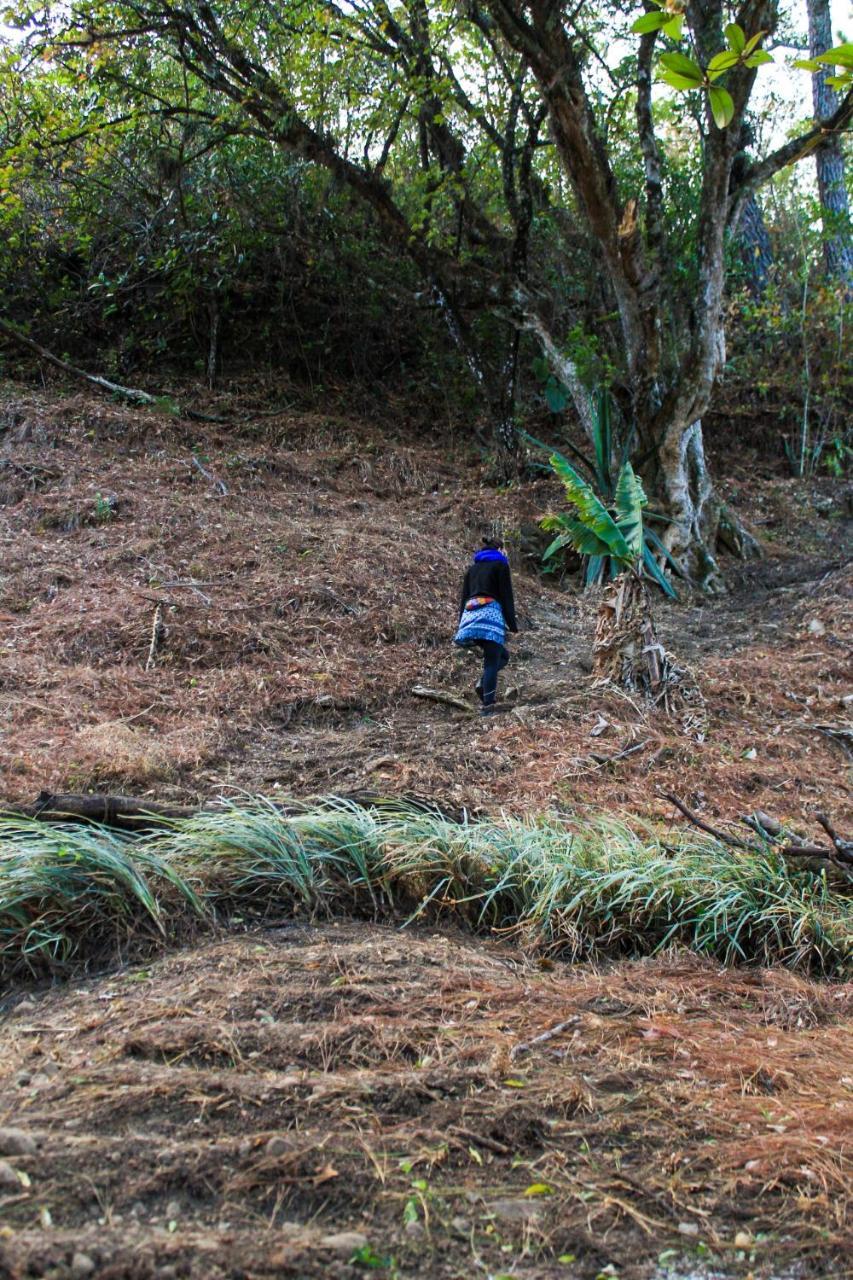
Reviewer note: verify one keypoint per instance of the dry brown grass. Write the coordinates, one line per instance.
(113, 752)
(302, 607)
(266, 1091)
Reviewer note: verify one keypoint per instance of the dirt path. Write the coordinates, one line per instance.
(323, 1101)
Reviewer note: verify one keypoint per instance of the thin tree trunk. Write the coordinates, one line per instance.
(213, 342)
(500, 405)
(755, 249)
(829, 158)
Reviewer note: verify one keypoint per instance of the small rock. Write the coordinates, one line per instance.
(743, 1240)
(344, 1242)
(39, 1080)
(22, 1079)
(816, 628)
(460, 1226)
(8, 1177)
(263, 1013)
(822, 505)
(15, 1142)
(50, 1068)
(173, 1209)
(515, 1210)
(414, 1229)
(688, 1228)
(24, 1006)
(244, 1148)
(276, 1147)
(82, 1265)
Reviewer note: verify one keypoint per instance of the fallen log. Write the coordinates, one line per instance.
(136, 813)
(123, 813)
(838, 856)
(132, 394)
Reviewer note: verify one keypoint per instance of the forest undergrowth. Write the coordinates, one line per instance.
(297, 610)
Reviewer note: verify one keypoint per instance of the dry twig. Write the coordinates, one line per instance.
(157, 633)
(792, 850)
(439, 695)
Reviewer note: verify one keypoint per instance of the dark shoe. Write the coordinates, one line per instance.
(488, 710)
(478, 688)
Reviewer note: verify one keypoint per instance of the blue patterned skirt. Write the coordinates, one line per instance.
(485, 623)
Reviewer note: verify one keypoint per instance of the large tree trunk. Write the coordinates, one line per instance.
(700, 524)
(829, 158)
(686, 493)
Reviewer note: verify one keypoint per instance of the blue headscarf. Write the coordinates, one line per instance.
(489, 553)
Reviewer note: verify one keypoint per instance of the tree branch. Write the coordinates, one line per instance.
(791, 153)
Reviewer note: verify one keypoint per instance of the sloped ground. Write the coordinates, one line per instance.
(344, 1099)
(301, 607)
(335, 1100)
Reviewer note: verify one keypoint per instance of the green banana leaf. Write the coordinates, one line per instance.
(675, 565)
(594, 518)
(655, 572)
(630, 499)
(596, 567)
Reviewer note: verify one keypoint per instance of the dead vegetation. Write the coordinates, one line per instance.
(295, 615)
(237, 1109)
(339, 1100)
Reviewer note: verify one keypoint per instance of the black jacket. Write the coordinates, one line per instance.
(491, 578)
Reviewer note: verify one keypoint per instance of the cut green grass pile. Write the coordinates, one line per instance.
(72, 894)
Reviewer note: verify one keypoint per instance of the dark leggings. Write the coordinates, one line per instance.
(495, 658)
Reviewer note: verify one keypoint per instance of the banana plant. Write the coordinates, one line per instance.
(592, 530)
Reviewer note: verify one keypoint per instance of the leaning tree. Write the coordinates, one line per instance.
(468, 127)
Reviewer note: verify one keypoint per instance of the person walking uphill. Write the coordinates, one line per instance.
(487, 611)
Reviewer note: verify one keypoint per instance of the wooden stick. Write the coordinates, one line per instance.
(491, 1144)
(439, 695)
(789, 850)
(703, 826)
(157, 629)
(620, 755)
(197, 604)
(843, 848)
(220, 485)
(527, 1045)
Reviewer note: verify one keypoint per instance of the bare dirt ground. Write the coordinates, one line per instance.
(343, 1099)
(301, 606)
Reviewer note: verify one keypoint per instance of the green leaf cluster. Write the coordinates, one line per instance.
(684, 73)
(670, 20)
(841, 56)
